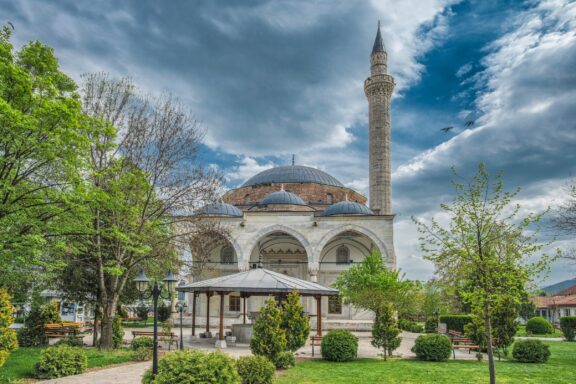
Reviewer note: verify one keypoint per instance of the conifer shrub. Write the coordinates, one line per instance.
(71, 341)
(285, 360)
(539, 326)
(268, 337)
(431, 324)
(339, 345)
(8, 340)
(142, 312)
(432, 347)
(255, 370)
(530, 351)
(295, 323)
(60, 361)
(32, 334)
(117, 332)
(193, 366)
(385, 333)
(164, 312)
(142, 342)
(568, 327)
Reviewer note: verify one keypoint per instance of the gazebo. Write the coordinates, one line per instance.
(254, 282)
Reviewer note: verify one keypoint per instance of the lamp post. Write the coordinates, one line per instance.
(155, 292)
(180, 307)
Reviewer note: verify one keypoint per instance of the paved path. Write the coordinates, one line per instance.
(132, 373)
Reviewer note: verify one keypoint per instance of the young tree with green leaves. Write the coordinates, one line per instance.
(295, 324)
(486, 248)
(8, 341)
(385, 332)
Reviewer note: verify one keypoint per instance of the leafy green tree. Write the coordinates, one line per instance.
(44, 143)
(486, 248)
(385, 331)
(268, 337)
(295, 324)
(8, 341)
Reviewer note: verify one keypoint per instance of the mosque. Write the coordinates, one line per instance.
(303, 222)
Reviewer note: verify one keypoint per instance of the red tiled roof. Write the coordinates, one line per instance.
(554, 301)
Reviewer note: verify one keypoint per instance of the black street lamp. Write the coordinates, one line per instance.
(142, 284)
(180, 307)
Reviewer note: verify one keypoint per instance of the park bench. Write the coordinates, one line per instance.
(172, 338)
(466, 343)
(59, 330)
(315, 341)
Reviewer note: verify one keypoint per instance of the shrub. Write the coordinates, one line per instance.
(142, 354)
(60, 361)
(142, 342)
(71, 341)
(294, 323)
(255, 370)
(455, 322)
(8, 340)
(431, 324)
(189, 367)
(530, 351)
(32, 335)
(268, 337)
(117, 332)
(410, 326)
(164, 312)
(147, 377)
(539, 326)
(339, 345)
(385, 333)
(285, 360)
(142, 311)
(432, 347)
(476, 331)
(568, 327)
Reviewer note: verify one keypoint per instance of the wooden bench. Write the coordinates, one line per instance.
(315, 341)
(171, 335)
(58, 330)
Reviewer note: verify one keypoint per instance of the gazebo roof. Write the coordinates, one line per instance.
(259, 281)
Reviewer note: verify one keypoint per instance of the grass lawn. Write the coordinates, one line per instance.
(561, 368)
(522, 333)
(20, 363)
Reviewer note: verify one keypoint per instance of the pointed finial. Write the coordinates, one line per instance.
(282, 187)
(346, 196)
(378, 42)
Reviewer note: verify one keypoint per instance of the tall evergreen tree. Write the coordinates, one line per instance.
(295, 324)
(268, 337)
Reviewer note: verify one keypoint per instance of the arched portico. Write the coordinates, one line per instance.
(262, 233)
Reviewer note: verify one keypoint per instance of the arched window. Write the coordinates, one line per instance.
(247, 199)
(227, 255)
(329, 198)
(342, 255)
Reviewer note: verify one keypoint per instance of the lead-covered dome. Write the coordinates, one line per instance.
(347, 208)
(220, 209)
(282, 197)
(292, 174)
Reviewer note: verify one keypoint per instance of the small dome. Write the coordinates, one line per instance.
(347, 208)
(282, 197)
(220, 209)
(292, 174)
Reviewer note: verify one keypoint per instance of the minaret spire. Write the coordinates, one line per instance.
(378, 88)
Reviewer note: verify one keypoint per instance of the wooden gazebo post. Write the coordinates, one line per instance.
(208, 295)
(243, 309)
(319, 315)
(221, 343)
(194, 296)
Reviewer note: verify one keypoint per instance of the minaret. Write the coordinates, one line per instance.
(378, 88)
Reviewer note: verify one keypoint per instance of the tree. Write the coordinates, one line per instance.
(564, 219)
(8, 341)
(268, 337)
(43, 145)
(385, 332)
(369, 284)
(485, 248)
(144, 177)
(294, 323)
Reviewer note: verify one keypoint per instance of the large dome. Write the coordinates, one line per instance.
(220, 209)
(282, 197)
(347, 208)
(292, 174)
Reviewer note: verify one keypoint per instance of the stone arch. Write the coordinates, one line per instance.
(379, 244)
(277, 228)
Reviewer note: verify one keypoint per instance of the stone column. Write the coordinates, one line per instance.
(313, 268)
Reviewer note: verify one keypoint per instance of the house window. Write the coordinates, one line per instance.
(342, 255)
(567, 312)
(334, 305)
(226, 255)
(329, 198)
(247, 199)
(234, 303)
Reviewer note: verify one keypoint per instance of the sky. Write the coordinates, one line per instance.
(272, 79)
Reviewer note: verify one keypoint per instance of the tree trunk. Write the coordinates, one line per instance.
(491, 366)
(108, 313)
(96, 325)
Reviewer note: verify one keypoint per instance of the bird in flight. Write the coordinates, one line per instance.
(447, 129)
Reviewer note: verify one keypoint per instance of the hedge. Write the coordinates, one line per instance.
(432, 347)
(455, 322)
(568, 327)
